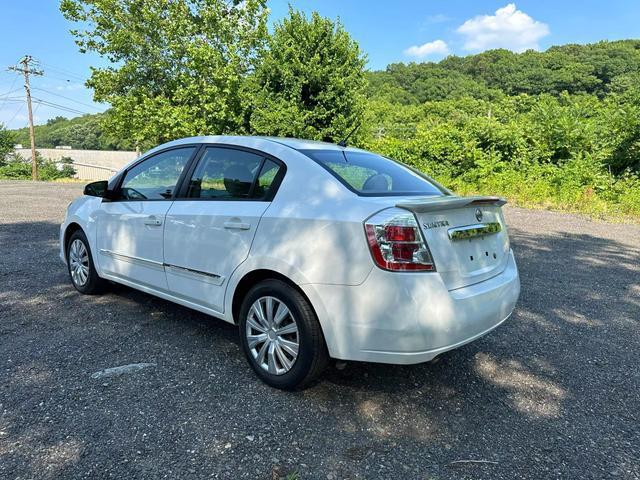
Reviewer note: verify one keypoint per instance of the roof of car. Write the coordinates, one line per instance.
(295, 143)
(301, 144)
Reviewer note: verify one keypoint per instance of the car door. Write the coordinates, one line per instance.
(209, 230)
(130, 226)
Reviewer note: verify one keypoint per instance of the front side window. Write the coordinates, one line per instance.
(156, 177)
(229, 174)
(373, 175)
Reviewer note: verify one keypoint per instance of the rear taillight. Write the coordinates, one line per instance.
(396, 242)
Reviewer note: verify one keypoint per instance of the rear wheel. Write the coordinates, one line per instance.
(281, 336)
(82, 270)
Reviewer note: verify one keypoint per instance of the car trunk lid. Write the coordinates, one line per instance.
(467, 236)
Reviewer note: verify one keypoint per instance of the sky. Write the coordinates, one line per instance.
(387, 31)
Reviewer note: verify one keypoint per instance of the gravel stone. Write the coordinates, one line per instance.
(553, 393)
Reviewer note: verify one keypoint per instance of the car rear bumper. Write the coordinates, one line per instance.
(407, 318)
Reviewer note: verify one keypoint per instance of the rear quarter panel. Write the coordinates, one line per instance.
(314, 224)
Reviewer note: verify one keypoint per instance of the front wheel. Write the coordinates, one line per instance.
(281, 337)
(82, 270)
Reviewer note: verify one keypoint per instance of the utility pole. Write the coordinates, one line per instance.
(26, 71)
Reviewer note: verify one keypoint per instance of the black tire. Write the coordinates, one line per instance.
(93, 284)
(313, 356)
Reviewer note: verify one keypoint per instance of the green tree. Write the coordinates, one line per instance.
(176, 66)
(7, 141)
(571, 68)
(422, 82)
(85, 132)
(310, 82)
(16, 167)
(623, 127)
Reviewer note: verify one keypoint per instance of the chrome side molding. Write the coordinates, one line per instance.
(145, 262)
(160, 266)
(476, 230)
(195, 274)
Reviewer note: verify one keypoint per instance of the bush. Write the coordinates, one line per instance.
(17, 168)
(570, 152)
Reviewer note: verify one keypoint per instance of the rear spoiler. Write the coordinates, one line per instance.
(431, 204)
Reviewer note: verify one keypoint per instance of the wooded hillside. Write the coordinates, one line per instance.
(558, 128)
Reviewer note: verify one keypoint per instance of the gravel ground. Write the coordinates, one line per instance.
(553, 393)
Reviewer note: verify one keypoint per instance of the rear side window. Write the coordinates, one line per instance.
(266, 179)
(369, 174)
(230, 174)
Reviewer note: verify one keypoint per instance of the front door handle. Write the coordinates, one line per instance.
(237, 225)
(152, 220)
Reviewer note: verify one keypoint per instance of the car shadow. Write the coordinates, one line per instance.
(562, 280)
(537, 382)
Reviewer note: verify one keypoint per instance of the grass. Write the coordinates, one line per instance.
(535, 194)
(72, 180)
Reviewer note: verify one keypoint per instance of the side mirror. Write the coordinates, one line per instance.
(97, 189)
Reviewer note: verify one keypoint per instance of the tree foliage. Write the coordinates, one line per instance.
(560, 104)
(7, 141)
(176, 66)
(558, 128)
(15, 167)
(84, 132)
(189, 67)
(574, 151)
(310, 81)
(589, 69)
(420, 82)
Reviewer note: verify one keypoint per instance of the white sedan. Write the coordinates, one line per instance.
(314, 250)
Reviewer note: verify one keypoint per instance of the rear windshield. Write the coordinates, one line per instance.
(369, 174)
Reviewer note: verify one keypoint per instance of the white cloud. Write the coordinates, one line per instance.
(437, 47)
(509, 28)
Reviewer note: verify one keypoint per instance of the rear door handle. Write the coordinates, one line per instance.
(237, 225)
(152, 220)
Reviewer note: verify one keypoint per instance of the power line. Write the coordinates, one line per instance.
(67, 76)
(50, 104)
(39, 102)
(66, 98)
(16, 114)
(60, 107)
(63, 79)
(64, 71)
(11, 87)
(10, 91)
(20, 108)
